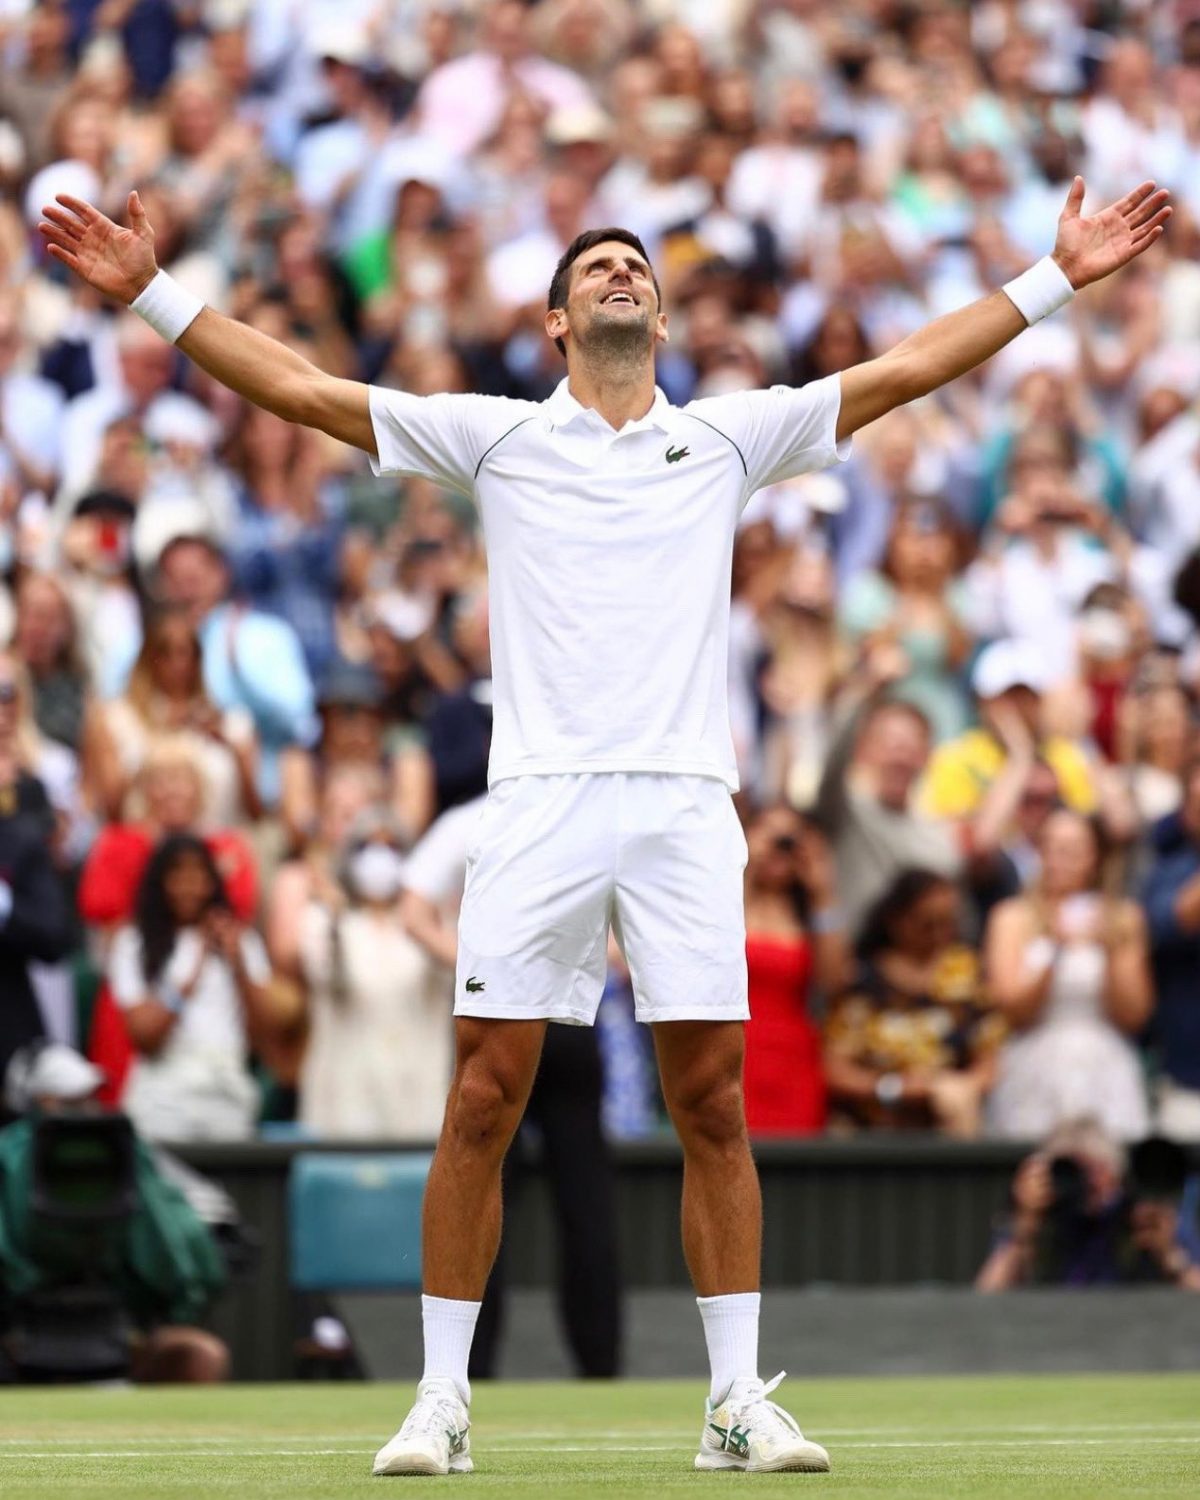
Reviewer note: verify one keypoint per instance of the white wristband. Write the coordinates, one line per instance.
(1041, 290)
(168, 308)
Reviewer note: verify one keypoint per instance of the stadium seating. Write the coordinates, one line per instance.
(356, 1220)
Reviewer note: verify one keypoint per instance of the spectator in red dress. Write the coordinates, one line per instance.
(795, 944)
(172, 788)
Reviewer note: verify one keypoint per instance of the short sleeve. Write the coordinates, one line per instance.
(780, 432)
(126, 974)
(441, 437)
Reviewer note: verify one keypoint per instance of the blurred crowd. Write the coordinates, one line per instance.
(245, 696)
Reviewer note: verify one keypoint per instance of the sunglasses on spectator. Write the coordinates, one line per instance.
(8, 692)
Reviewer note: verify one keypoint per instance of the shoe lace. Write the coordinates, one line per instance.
(435, 1412)
(754, 1411)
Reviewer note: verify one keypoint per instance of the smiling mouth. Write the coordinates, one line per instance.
(621, 299)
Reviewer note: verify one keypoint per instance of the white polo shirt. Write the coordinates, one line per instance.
(609, 556)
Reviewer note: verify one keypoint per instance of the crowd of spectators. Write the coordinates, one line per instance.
(244, 680)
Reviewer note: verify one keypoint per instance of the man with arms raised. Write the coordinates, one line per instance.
(609, 518)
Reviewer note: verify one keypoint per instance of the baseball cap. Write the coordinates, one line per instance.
(342, 44)
(1008, 664)
(162, 523)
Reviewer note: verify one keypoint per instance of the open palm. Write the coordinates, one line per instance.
(118, 262)
(1090, 248)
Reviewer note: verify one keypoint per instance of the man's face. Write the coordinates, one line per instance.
(193, 577)
(146, 365)
(174, 797)
(895, 749)
(611, 305)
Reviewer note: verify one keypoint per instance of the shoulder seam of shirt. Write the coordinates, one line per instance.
(497, 443)
(719, 433)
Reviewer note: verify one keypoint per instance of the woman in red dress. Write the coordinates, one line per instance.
(794, 945)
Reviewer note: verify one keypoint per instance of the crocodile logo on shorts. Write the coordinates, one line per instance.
(475, 985)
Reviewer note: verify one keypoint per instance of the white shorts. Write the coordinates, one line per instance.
(557, 859)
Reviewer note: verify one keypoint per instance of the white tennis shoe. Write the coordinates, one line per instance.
(435, 1436)
(743, 1430)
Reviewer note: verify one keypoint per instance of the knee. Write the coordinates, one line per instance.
(709, 1113)
(482, 1113)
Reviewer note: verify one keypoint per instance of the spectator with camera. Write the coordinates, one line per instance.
(911, 1042)
(795, 947)
(1085, 1212)
(1068, 967)
(380, 1043)
(1171, 898)
(194, 985)
(163, 1266)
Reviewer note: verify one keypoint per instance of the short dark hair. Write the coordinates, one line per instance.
(561, 280)
(876, 709)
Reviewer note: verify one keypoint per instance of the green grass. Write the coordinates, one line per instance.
(1085, 1436)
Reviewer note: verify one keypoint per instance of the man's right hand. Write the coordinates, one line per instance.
(118, 262)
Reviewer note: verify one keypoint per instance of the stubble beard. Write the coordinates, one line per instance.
(618, 344)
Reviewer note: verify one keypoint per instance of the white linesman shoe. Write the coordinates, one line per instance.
(434, 1438)
(743, 1430)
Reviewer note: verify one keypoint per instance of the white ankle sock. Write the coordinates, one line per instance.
(731, 1333)
(449, 1328)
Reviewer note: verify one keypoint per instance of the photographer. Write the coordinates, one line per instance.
(167, 1265)
(1081, 1216)
(195, 988)
(795, 944)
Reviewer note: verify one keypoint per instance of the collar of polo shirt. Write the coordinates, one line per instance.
(561, 410)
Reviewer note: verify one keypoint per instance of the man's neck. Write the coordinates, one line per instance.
(620, 391)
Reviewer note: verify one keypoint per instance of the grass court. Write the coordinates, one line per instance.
(1090, 1436)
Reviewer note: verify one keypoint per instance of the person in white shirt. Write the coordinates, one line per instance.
(609, 517)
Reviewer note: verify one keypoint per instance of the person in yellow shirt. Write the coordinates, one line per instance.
(1008, 679)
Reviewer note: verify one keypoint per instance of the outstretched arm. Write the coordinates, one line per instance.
(1086, 250)
(120, 263)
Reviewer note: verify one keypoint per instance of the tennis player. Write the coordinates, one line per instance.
(609, 518)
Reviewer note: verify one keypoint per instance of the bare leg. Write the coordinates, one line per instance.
(494, 1068)
(700, 1063)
